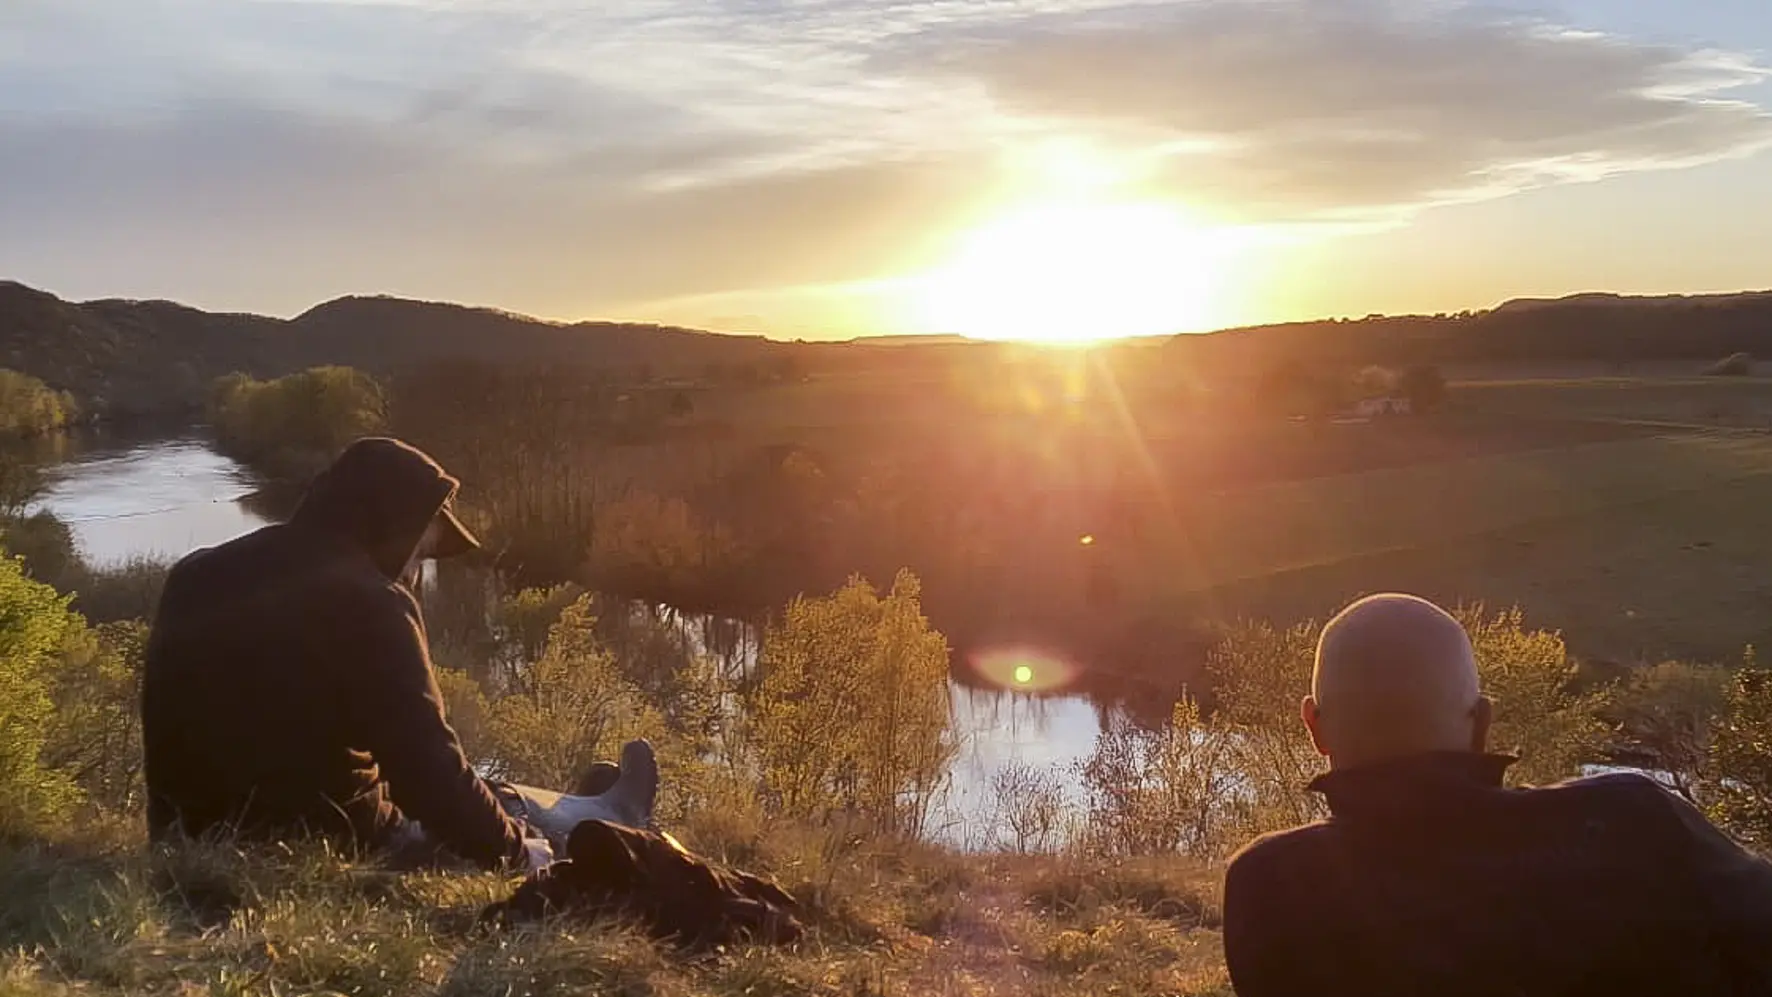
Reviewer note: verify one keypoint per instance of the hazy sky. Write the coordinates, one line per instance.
(799, 166)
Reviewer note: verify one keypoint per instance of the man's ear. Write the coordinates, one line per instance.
(1313, 718)
(1481, 716)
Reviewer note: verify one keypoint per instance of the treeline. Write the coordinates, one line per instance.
(293, 426)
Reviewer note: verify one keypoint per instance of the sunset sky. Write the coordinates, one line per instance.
(829, 168)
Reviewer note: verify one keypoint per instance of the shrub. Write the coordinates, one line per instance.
(654, 548)
(1667, 716)
(128, 591)
(1424, 386)
(1030, 807)
(468, 711)
(1207, 781)
(1165, 789)
(1538, 713)
(574, 708)
(47, 546)
(34, 626)
(1741, 756)
(852, 712)
(95, 739)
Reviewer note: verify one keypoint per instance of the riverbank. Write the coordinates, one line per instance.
(100, 915)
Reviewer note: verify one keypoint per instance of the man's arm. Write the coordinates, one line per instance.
(1259, 949)
(1736, 887)
(398, 713)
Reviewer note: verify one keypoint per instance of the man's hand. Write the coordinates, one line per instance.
(537, 854)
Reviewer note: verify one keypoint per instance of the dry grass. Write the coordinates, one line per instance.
(100, 913)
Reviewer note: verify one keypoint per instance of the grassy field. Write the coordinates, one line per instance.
(1638, 549)
(1626, 510)
(1680, 575)
(100, 915)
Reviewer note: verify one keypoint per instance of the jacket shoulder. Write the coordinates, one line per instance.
(1631, 792)
(1271, 853)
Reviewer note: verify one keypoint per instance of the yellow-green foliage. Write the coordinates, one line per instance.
(468, 711)
(34, 625)
(1529, 675)
(1210, 780)
(1667, 714)
(574, 707)
(96, 737)
(295, 424)
(648, 544)
(852, 713)
(29, 407)
(1741, 755)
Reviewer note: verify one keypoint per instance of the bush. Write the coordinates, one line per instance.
(1424, 386)
(1030, 807)
(1207, 781)
(1741, 756)
(852, 713)
(96, 738)
(574, 708)
(46, 544)
(28, 407)
(1667, 716)
(35, 625)
(293, 426)
(1538, 713)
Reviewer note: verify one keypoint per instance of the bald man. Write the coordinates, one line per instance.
(1430, 878)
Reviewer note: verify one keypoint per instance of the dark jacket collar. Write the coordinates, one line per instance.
(1409, 785)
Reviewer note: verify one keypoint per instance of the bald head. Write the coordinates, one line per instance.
(1395, 676)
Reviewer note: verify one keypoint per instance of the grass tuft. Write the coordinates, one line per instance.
(105, 913)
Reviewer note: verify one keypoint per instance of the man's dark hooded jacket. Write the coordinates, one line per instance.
(288, 685)
(1431, 878)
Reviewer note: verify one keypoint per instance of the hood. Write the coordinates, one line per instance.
(380, 494)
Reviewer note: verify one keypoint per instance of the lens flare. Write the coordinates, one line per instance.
(1023, 669)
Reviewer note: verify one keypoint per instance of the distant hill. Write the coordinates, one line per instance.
(135, 357)
(1601, 298)
(126, 357)
(1603, 328)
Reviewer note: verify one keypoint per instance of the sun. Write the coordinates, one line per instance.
(1076, 272)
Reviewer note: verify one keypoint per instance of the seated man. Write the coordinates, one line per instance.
(1430, 878)
(288, 685)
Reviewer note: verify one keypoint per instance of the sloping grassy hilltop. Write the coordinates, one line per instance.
(100, 913)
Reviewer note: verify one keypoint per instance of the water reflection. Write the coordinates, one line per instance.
(159, 500)
(999, 727)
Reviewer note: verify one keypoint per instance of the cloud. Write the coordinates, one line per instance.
(1356, 106)
(566, 158)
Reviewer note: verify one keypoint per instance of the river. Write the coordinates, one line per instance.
(159, 498)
